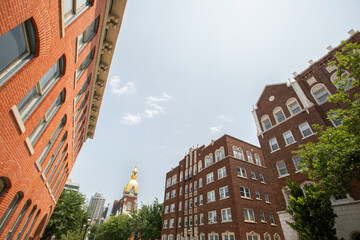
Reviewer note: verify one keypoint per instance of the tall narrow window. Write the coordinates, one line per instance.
(305, 130)
(57, 150)
(281, 168)
(84, 64)
(274, 145)
(320, 93)
(297, 162)
(8, 213)
(279, 115)
(288, 137)
(257, 160)
(86, 36)
(293, 106)
(17, 46)
(32, 225)
(82, 90)
(249, 156)
(26, 222)
(34, 136)
(30, 102)
(266, 122)
(18, 219)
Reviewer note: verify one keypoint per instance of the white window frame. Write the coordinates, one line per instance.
(211, 196)
(224, 192)
(317, 88)
(245, 192)
(226, 215)
(210, 178)
(221, 172)
(290, 103)
(282, 169)
(264, 120)
(242, 172)
(257, 159)
(301, 131)
(212, 218)
(272, 148)
(249, 215)
(275, 112)
(287, 143)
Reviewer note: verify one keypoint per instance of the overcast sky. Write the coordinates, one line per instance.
(185, 72)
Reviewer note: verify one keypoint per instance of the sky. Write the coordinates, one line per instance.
(187, 72)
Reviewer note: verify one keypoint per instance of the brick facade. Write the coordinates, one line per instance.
(18, 158)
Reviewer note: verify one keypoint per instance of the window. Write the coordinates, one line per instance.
(128, 206)
(305, 130)
(185, 222)
(253, 175)
(34, 136)
(165, 223)
(288, 137)
(85, 63)
(52, 159)
(173, 193)
(346, 81)
(293, 106)
(86, 36)
(18, 219)
(201, 218)
(262, 179)
(34, 97)
(73, 8)
(209, 178)
(186, 204)
(224, 192)
(173, 179)
(211, 196)
(257, 194)
(272, 219)
(190, 187)
(273, 145)
(257, 160)
(212, 217)
(164, 237)
(32, 224)
(8, 213)
(186, 189)
(3, 185)
(167, 195)
(238, 153)
(213, 236)
(180, 206)
(196, 220)
(208, 160)
(172, 207)
(190, 203)
(26, 222)
(262, 217)
(195, 202)
(181, 176)
(201, 200)
(334, 119)
(245, 192)
(265, 120)
(281, 167)
(179, 222)
(226, 215)
(267, 236)
(202, 236)
(171, 224)
(320, 93)
(195, 169)
(228, 236)
(253, 236)
(17, 46)
(276, 236)
(195, 185)
(221, 172)
(241, 172)
(200, 166)
(249, 215)
(200, 183)
(180, 191)
(279, 115)
(267, 199)
(166, 209)
(297, 162)
(190, 221)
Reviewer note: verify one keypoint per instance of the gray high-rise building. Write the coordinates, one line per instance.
(97, 203)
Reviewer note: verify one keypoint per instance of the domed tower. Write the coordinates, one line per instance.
(128, 201)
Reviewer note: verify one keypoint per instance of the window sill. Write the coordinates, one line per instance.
(290, 144)
(274, 225)
(224, 198)
(254, 179)
(263, 182)
(285, 175)
(263, 221)
(242, 177)
(210, 223)
(227, 221)
(248, 221)
(275, 150)
(247, 198)
(267, 202)
(308, 136)
(258, 199)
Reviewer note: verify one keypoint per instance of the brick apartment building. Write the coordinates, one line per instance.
(220, 191)
(54, 61)
(284, 115)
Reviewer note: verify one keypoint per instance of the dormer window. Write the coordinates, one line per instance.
(279, 115)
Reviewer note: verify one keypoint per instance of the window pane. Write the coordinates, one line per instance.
(68, 8)
(53, 71)
(80, 3)
(12, 45)
(321, 95)
(32, 95)
(90, 31)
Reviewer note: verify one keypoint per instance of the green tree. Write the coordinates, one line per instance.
(312, 214)
(147, 221)
(116, 228)
(68, 217)
(334, 161)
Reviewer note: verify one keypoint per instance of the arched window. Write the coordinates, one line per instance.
(249, 156)
(19, 45)
(200, 166)
(8, 213)
(128, 206)
(18, 219)
(320, 93)
(238, 153)
(279, 114)
(267, 236)
(257, 159)
(293, 106)
(276, 236)
(3, 185)
(26, 222)
(266, 122)
(346, 82)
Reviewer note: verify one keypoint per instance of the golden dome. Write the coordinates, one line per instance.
(132, 183)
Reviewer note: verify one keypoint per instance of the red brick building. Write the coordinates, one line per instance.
(54, 62)
(284, 115)
(220, 191)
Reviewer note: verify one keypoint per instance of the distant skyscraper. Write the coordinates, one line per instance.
(128, 201)
(97, 203)
(72, 185)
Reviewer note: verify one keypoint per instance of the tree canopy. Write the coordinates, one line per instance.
(68, 217)
(334, 161)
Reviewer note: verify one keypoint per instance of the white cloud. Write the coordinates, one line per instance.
(226, 118)
(151, 99)
(150, 113)
(153, 105)
(216, 129)
(128, 88)
(131, 119)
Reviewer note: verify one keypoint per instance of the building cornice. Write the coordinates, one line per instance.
(109, 33)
